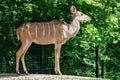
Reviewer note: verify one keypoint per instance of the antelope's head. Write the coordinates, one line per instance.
(79, 15)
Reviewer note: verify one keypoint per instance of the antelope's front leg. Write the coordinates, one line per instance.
(57, 59)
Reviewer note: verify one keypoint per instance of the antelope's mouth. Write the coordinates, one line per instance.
(89, 19)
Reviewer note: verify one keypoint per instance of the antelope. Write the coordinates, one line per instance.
(54, 32)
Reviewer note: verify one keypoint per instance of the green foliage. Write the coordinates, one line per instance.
(102, 31)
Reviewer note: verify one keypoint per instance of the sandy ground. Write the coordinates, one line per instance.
(43, 77)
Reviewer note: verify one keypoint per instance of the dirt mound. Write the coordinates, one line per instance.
(43, 77)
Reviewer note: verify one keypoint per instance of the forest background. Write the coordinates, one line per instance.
(78, 54)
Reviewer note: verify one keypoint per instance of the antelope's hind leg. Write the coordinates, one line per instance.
(22, 58)
(20, 54)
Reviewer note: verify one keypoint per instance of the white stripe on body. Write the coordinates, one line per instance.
(54, 29)
(48, 29)
(43, 29)
(22, 31)
(64, 33)
(36, 30)
(28, 26)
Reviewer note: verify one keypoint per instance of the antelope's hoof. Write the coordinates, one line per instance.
(18, 73)
(58, 73)
(26, 72)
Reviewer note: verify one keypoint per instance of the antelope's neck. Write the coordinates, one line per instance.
(74, 27)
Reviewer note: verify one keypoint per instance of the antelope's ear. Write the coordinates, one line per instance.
(73, 9)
